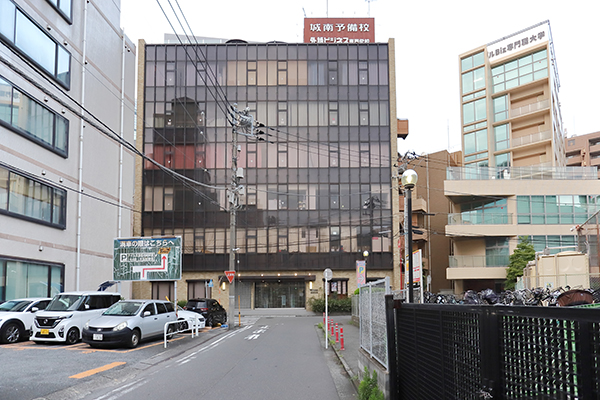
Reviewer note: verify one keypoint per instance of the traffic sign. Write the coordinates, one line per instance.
(230, 275)
(328, 274)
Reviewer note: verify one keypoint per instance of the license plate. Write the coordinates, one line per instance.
(97, 336)
(44, 332)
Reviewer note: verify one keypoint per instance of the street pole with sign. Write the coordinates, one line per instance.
(327, 274)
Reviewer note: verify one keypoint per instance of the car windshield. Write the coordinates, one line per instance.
(198, 304)
(64, 302)
(126, 308)
(14, 305)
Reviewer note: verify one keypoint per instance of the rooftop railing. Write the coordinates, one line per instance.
(527, 173)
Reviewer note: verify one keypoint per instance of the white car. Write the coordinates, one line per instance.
(189, 319)
(63, 319)
(16, 317)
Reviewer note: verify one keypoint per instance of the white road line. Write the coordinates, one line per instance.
(191, 356)
(122, 390)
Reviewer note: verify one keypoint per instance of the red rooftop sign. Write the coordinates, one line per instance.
(339, 30)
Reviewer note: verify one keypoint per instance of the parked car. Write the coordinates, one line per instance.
(16, 317)
(63, 319)
(130, 321)
(188, 319)
(211, 310)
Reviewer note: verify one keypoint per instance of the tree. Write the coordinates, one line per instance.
(518, 261)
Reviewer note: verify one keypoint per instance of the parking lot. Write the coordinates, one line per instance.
(32, 370)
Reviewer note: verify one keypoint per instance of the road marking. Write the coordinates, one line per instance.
(96, 370)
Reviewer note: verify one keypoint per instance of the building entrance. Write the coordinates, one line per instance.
(280, 294)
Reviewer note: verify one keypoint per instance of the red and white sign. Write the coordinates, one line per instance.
(144, 269)
(339, 30)
(230, 275)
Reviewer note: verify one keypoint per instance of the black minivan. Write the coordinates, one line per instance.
(213, 312)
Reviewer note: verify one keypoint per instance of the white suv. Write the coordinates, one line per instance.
(16, 317)
(63, 319)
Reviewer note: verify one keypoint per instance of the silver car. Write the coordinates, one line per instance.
(130, 321)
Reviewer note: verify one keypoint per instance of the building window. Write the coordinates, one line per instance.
(28, 117)
(33, 200)
(503, 160)
(473, 80)
(339, 287)
(496, 252)
(520, 71)
(555, 210)
(500, 108)
(554, 243)
(31, 40)
(64, 8)
(474, 111)
(501, 137)
(19, 279)
(476, 141)
(472, 61)
(489, 212)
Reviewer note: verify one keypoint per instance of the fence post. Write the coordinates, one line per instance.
(585, 359)
(390, 323)
(489, 339)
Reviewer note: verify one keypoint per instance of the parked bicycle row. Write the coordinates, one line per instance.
(525, 297)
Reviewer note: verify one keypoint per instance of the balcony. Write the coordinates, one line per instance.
(594, 148)
(492, 261)
(574, 160)
(533, 138)
(530, 108)
(480, 219)
(477, 267)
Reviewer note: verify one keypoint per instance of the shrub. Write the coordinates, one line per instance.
(340, 305)
(368, 389)
(182, 303)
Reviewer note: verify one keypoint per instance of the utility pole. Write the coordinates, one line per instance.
(243, 125)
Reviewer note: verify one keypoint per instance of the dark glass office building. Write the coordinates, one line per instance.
(316, 193)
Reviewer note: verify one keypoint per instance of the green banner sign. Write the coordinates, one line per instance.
(152, 259)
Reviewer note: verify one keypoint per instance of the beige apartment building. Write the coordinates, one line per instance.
(583, 150)
(514, 180)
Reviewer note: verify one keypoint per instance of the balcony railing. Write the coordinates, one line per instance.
(495, 261)
(533, 138)
(540, 105)
(480, 219)
(529, 173)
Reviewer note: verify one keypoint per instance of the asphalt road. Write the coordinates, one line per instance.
(275, 358)
(267, 358)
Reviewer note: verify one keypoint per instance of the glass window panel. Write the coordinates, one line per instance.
(470, 146)
(466, 63)
(481, 138)
(478, 59)
(480, 109)
(35, 43)
(468, 113)
(63, 66)
(478, 79)
(537, 204)
(3, 188)
(467, 82)
(7, 20)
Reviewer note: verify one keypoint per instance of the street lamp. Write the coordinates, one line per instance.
(409, 180)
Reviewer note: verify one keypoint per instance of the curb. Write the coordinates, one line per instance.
(340, 357)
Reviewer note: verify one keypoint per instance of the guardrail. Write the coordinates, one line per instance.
(195, 327)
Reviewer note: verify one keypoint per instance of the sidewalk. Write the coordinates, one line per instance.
(349, 355)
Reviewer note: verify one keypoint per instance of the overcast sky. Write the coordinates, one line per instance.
(429, 35)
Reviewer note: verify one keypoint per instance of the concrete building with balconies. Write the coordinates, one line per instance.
(584, 151)
(513, 181)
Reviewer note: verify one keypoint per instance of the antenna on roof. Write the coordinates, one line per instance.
(304, 12)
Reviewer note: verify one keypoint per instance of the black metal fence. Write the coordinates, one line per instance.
(493, 352)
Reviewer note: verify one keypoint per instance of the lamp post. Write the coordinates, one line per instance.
(365, 255)
(409, 180)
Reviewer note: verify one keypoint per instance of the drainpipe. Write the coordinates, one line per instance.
(81, 128)
(121, 134)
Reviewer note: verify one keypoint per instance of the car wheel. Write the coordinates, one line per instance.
(209, 322)
(11, 333)
(72, 336)
(183, 325)
(134, 339)
(170, 331)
